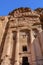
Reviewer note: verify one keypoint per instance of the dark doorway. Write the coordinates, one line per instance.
(25, 61)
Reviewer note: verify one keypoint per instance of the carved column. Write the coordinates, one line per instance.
(36, 50)
(7, 51)
(17, 50)
(32, 49)
(41, 41)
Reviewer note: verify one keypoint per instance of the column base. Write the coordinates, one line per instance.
(6, 61)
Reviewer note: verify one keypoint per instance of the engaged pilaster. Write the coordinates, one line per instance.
(17, 50)
(33, 58)
(7, 51)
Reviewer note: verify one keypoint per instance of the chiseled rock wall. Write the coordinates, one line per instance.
(23, 17)
(3, 22)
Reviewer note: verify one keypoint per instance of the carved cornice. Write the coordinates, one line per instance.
(20, 10)
(23, 12)
(39, 10)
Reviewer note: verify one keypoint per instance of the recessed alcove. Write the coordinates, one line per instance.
(24, 48)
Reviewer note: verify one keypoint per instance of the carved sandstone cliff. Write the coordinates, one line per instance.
(22, 27)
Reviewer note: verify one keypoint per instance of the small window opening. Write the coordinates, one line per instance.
(24, 48)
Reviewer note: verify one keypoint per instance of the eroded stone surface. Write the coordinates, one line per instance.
(21, 37)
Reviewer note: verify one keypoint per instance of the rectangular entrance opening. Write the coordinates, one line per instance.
(25, 61)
